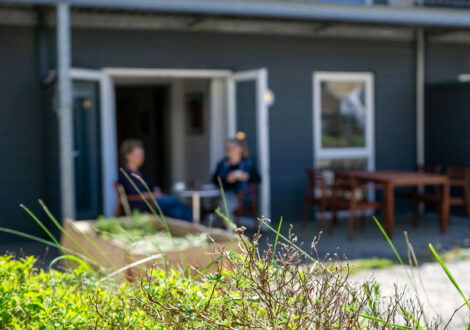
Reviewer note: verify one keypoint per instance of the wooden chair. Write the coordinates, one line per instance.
(349, 195)
(316, 195)
(243, 209)
(122, 202)
(459, 178)
(418, 195)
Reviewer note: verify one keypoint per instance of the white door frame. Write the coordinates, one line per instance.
(368, 151)
(106, 78)
(109, 171)
(260, 76)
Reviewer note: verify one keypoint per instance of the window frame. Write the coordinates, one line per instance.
(368, 151)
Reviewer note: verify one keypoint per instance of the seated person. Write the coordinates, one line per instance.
(236, 172)
(133, 155)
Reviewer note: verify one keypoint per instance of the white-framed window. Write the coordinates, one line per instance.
(343, 120)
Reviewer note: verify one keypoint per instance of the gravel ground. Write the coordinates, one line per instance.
(438, 295)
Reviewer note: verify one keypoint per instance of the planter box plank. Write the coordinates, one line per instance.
(197, 257)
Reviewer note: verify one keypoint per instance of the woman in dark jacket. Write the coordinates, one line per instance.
(133, 154)
(236, 171)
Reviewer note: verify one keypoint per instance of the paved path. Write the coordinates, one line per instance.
(437, 293)
(371, 243)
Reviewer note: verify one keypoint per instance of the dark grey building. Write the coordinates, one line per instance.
(311, 84)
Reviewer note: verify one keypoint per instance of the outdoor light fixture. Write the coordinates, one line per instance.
(241, 135)
(463, 77)
(269, 97)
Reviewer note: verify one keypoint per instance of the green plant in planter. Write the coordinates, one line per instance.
(141, 235)
(137, 225)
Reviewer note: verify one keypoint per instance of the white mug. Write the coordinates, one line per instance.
(179, 186)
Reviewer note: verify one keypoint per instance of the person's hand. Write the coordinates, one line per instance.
(231, 177)
(157, 192)
(243, 176)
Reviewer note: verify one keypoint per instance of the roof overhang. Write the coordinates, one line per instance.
(377, 14)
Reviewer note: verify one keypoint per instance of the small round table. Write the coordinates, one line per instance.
(196, 195)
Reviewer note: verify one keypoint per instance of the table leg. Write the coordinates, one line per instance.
(389, 208)
(445, 205)
(196, 208)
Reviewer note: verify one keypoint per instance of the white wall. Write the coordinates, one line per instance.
(197, 163)
(189, 152)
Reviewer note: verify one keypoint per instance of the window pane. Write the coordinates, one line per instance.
(343, 114)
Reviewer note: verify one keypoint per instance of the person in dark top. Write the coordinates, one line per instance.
(236, 171)
(133, 156)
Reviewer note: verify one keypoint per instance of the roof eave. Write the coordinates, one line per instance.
(376, 14)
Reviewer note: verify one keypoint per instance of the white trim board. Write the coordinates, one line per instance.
(109, 171)
(165, 73)
(260, 76)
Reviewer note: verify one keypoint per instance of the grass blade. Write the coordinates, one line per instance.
(132, 265)
(208, 266)
(72, 258)
(45, 242)
(275, 241)
(388, 324)
(389, 241)
(88, 238)
(418, 325)
(226, 216)
(62, 230)
(410, 278)
(160, 218)
(39, 222)
(291, 243)
(449, 274)
(159, 209)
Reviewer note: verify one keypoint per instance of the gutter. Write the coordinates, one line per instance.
(377, 14)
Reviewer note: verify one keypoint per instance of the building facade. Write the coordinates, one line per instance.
(333, 92)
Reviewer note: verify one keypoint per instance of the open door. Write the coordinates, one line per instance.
(249, 99)
(95, 156)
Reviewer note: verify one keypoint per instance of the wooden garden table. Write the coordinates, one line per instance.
(389, 179)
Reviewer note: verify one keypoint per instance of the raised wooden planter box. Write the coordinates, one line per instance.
(197, 257)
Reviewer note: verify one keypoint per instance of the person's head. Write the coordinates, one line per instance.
(236, 150)
(132, 153)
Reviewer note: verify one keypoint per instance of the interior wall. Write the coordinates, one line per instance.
(197, 169)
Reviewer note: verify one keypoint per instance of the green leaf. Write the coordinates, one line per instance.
(389, 241)
(449, 275)
(72, 258)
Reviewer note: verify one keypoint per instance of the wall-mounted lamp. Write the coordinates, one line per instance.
(463, 77)
(269, 97)
(241, 135)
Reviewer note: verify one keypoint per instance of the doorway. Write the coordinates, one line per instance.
(172, 119)
(141, 112)
(180, 142)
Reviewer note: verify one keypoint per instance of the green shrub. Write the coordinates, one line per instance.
(283, 288)
(32, 298)
(256, 293)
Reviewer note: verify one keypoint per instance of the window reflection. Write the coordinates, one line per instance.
(343, 114)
